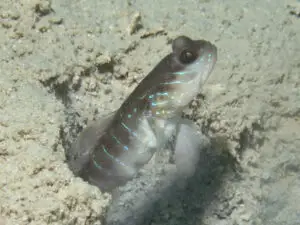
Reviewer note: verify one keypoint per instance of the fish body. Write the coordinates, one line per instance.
(109, 153)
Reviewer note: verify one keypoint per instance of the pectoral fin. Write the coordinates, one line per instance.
(188, 145)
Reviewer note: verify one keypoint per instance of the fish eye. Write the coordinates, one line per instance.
(187, 57)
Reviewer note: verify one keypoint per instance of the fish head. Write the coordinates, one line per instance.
(177, 79)
(190, 63)
(193, 58)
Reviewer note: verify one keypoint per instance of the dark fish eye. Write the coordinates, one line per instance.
(187, 57)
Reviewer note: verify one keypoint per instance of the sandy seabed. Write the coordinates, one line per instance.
(64, 63)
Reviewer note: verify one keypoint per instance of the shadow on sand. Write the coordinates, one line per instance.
(177, 206)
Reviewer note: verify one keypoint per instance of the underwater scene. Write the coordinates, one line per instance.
(183, 112)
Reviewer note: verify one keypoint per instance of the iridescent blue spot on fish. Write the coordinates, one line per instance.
(153, 104)
(116, 139)
(119, 142)
(162, 93)
(158, 103)
(134, 110)
(173, 82)
(112, 157)
(129, 116)
(180, 73)
(128, 129)
(97, 164)
(151, 96)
